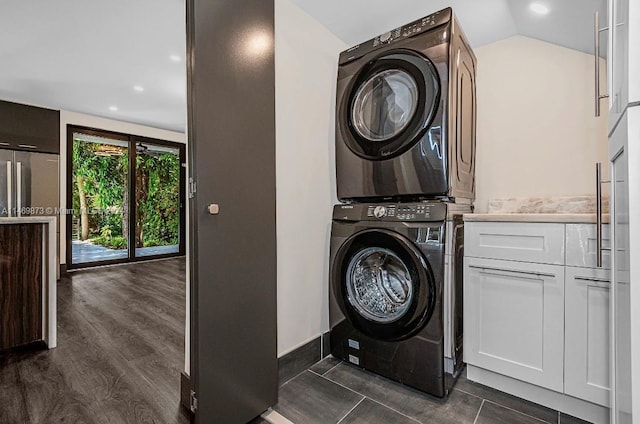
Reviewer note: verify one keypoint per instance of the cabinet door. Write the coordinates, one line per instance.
(20, 284)
(514, 319)
(581, 246)
(618, 60)
(625, 164)
(586, 373)
(29, 128)
(36, 129)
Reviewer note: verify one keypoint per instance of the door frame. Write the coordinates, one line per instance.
(131, 140)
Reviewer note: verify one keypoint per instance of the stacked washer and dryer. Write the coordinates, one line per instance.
(405, 162)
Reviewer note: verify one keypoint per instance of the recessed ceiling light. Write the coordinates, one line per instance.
(113, 108)
(138, 88)
(539, 8)
(175, 58)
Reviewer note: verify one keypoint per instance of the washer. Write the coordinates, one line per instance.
(388, 286)
(406, 114)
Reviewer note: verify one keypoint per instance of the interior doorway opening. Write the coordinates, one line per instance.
(125, 198)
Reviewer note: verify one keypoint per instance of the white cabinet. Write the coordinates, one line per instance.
(581, 246)
(625, 174)
(537, 311)
(516, 241)
(623, 57)
(514, 319)
(586, 374)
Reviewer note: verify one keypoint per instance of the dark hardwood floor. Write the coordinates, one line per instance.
(119, 356)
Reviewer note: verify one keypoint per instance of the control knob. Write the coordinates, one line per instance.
(379, 212)
(386, 37)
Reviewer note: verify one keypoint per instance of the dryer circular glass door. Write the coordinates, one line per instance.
(391, 103)
(386, 286)
(384, 105)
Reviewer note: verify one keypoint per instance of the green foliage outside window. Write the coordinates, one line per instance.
(100, 196)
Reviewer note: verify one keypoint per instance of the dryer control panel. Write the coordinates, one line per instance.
(391, 212)
(397, 34)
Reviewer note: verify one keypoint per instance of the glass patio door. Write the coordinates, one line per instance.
(125, 196)
(157, 200)
(99, 199)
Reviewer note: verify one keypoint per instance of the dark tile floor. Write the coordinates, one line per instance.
(334, 392)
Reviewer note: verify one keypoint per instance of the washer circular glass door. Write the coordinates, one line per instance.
(390, 104)
(383, 284)
(379, 284)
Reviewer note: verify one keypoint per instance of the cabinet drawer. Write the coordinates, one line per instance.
(581, 246)
(514, 320)
(516, 241)
(587, 334)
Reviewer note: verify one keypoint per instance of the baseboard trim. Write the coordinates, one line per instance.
(326, 345)
(300, 359)
(185, 391)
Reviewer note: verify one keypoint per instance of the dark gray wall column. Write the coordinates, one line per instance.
(233, 258)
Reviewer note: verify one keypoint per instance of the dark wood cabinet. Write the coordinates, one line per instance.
(20, 284)
(29, 128)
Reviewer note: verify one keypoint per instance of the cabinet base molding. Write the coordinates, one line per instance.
(567, 404)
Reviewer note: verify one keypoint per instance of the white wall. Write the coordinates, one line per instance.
(536, 130)
(306, 68)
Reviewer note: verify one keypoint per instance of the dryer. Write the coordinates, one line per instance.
(388, 287)
(406, 114)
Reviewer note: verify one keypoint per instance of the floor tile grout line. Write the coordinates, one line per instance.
(478, 413)
(351, 410)
(341, 385)
(394, 410)
(298, 375)
(467, 393)
(460, 390)
(506, 407)
(330, 369)
(361, 394)
(519, 412)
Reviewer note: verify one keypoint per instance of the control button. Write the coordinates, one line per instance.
(386, 37)
(380, 212)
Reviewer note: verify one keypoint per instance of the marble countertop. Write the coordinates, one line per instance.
(571, 205)
(562, 218)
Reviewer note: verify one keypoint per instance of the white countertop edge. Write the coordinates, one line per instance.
(28, 220)
(562, 218)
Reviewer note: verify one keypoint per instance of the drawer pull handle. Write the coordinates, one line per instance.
(596, 55)
(594, 279)
(514, 271)
(27, 146)
(599, 183)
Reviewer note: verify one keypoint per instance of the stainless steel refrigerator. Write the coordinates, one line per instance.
(29, 186)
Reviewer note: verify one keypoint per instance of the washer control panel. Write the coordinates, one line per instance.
(391, 212)
(403, 212)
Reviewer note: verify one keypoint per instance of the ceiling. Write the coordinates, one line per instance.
(87, 55)
(569, 23)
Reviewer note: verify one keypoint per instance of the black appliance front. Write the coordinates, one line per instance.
(386, 299)
(397, 135)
